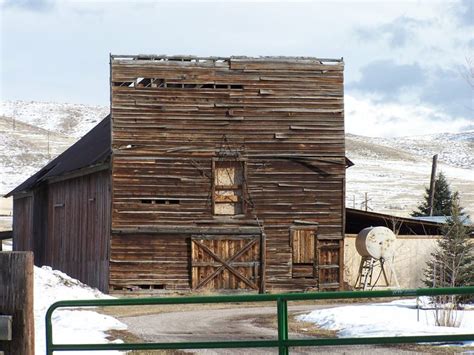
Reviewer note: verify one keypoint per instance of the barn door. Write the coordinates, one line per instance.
(226, 262)
(329, 253)
(316, 258)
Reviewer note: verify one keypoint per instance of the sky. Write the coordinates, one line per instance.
(405, 61)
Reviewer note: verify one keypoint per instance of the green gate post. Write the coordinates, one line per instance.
(49, 331)
(282, 315)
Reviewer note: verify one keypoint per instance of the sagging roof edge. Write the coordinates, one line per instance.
(186, 58)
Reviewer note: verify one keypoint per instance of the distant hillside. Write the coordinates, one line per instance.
(393, 171)
(456, 149)
(32, 133)
(72, 120)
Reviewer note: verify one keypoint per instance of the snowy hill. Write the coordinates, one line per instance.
(455, 149)
(392, 171)
(72, 120)
(32, 133)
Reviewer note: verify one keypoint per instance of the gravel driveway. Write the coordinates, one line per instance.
(231, 324)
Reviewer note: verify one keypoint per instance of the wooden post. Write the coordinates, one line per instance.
(263, 261)
(432, 183)
(16, 300)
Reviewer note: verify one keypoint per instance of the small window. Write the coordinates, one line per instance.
(303, 245)
(228, 188)
(160, 201)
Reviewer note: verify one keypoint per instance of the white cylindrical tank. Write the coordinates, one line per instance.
(377, 242)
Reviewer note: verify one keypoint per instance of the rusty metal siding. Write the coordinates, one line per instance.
(77, 241)
(283, 117)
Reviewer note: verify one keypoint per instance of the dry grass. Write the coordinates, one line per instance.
(295, 326)
(128, 337)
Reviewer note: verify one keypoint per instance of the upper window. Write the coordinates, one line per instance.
(175, 84)
(228, 188)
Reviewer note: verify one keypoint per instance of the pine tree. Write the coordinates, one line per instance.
(452, 263)
(443, 199)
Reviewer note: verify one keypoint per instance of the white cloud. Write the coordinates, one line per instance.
(365, 116)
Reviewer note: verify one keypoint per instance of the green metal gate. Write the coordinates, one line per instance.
(281, 300)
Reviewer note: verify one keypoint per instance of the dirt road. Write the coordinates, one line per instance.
(232, 324)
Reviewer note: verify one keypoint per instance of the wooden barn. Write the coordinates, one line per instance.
(209, 174)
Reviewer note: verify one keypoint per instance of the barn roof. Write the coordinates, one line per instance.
(92, 149)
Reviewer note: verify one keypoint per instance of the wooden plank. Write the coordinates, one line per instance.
(16, 299)
(6, 235)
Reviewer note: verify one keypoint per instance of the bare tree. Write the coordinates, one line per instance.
(469, 72)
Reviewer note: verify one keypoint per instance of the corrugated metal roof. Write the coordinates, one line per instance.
(92, 149)
(443, 219)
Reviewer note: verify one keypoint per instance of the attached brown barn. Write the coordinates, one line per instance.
(209, 173)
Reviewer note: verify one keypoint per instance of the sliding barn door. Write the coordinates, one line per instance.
(226, 262)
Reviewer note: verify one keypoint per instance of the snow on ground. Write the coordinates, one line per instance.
(69, 325)
(397, 318)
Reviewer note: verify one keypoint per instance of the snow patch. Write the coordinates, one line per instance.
(69, 326)
(398, 318)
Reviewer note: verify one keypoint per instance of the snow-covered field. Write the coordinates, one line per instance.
(397, 318)
(70, 326)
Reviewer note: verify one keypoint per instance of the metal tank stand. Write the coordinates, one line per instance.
(365, 278)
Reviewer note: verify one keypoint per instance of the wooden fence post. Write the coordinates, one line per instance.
(16, 300)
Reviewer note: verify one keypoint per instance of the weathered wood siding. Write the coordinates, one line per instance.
(77, 241)
(282, 117)
(23, 223)
(149, 262)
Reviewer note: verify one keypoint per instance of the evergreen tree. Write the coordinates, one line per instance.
(443, 199)
(452, 263)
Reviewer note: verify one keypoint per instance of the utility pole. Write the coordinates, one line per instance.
(432, 183)
(366, 202)
(49, 155)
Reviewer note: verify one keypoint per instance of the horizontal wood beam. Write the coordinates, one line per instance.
(80, 172)
(188, 230)
(6, 235)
